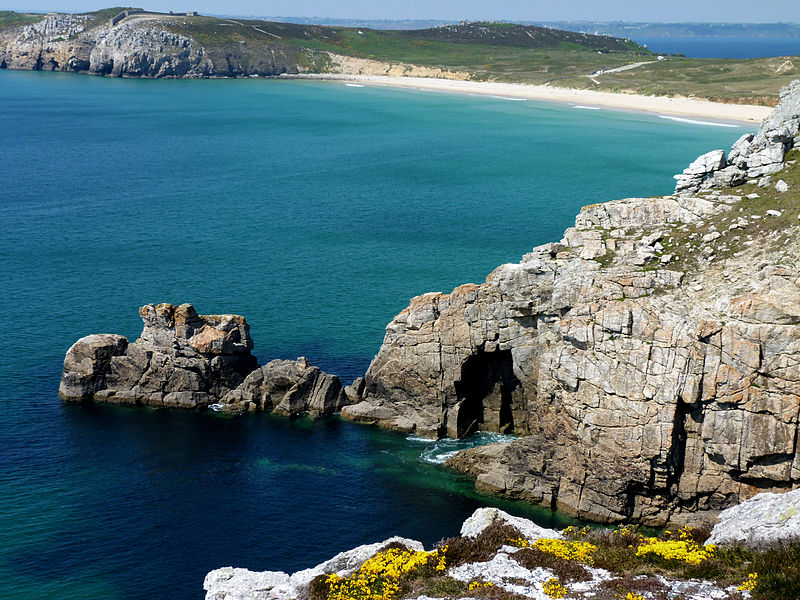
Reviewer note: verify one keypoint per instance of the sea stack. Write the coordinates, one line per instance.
(186, 360)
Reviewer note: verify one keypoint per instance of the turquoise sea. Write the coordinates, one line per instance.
(314, 209)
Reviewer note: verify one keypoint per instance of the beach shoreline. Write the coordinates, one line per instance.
(663, 105)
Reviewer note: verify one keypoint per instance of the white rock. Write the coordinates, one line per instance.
(764, 181)
(666, 259)
(782, 186)
(774, 213)
(230, 583)
(483, 517)
(765, 518)
(346, 562)
(752, 196)
(710, 237)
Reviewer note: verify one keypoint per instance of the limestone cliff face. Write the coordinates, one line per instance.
(140, 48)
(652, 368)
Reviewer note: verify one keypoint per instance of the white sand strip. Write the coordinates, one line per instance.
(685, 107)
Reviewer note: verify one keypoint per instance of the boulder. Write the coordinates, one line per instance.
(701, 169)
(87, 364)
(287, 388)
(765, 519)
(483, 517)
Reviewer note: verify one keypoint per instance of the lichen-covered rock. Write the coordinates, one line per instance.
(644, 392)
(182, 359)
(287, 388)
(765, 519)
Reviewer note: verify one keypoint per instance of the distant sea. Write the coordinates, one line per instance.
(314, 209)
(722, 47)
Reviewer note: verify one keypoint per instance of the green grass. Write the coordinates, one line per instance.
(556, 61)
(9, 18)
(491, 51)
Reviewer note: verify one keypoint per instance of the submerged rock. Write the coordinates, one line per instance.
(186, 360)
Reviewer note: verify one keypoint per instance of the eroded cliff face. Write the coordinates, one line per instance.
(139, 48)
(651, 359)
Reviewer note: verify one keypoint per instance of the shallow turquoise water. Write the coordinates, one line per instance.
(314, 209)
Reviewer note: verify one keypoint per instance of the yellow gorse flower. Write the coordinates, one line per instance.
(519, 542)
(750, 584)
(475, 585)
(684, 550)
(579, 551)
(553, 588)
(632, 596)
(379, 577)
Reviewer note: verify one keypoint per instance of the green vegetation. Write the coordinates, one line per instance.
(636, 563)
(9, 18)
(487, 51)
(684, 242)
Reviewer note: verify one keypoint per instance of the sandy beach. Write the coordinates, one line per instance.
(681, 107)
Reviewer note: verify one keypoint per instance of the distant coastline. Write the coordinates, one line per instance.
(684, 107)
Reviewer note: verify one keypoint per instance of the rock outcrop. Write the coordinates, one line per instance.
(182, 359)
(763, 520)
(287, 387)
(186, 360)
(498, 565)
(652, 380)
(751, 155)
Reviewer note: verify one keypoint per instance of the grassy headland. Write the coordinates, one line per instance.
(503, 52)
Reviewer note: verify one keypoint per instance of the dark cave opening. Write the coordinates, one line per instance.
(485, 393)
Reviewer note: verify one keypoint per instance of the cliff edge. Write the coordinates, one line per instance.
(650, 359)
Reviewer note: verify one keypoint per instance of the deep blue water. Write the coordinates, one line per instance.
(314, 209)
(722, 47)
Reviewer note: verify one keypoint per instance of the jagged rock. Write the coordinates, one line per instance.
(751, 156)
(764, 519)
(182, 359)
(287, 388)
(701, 169)
(781, 186)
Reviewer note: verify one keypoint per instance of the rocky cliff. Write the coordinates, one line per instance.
(650, 359)
(137, 47)
(186, 360)
(148, 45)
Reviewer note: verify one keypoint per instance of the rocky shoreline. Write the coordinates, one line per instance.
(649, 360)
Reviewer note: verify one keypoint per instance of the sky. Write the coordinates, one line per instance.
(729, 11)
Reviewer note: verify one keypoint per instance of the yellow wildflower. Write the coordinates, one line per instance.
(685, 550)
(578, 551)
(750, 584)
(553, 588)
